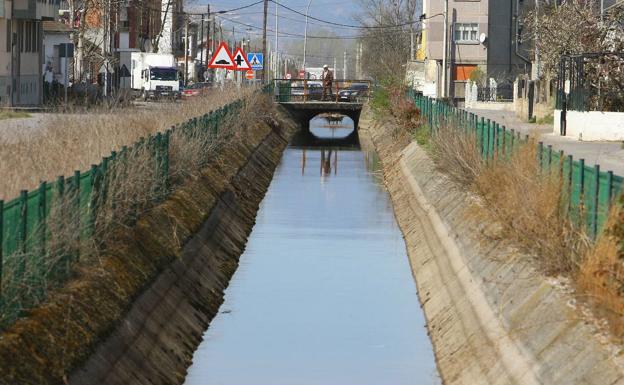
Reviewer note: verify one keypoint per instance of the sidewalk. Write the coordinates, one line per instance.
(609, 155)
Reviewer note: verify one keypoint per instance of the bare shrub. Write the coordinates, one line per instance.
(601, 275)
(133, 183)
(456, 153)
(45, 259)
(71, 142)
(601, 280)
(529, 204)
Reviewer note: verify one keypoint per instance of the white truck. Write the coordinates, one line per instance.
(154, 75)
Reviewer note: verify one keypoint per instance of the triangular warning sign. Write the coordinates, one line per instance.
(240, 60)
(222, 58)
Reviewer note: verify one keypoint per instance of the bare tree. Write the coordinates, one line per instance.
(386, 37)
(575, 27)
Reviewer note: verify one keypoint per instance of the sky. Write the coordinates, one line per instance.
(339, 11)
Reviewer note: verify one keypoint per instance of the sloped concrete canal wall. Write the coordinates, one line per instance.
(140, 322)
(492, 318)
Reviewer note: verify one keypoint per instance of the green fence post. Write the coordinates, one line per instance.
(540, 153)
(23, 226)
(487, 142)
(156, 153)
(95, 180)
(480, 135)
(582, 190)
(1, 243)
(504, 132)
(513, 139)
(609, 195)
(561, 160)
(570, 180)
(497, 137)
(41, 214)
(165, 168)
(549, 157)
(594, 214)
(76, 209)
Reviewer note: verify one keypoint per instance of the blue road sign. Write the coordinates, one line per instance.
(256, 60)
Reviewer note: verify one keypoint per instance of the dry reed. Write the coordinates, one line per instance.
(132, 186)
(601, 275)
(71, 142)
(526, 201)
(456, 154)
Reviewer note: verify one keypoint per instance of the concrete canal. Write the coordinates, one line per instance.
(324, 292)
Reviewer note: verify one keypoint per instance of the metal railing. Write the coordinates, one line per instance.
(590, 193)
(501, 93)
(307, 90)
(28, 268)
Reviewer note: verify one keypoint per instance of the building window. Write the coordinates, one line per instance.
(466, 33)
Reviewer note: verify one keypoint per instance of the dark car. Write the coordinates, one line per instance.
(314, 91)
(196, 89)
(354, 92)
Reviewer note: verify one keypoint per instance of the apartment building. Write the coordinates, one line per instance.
(483, 34)
(21, 50)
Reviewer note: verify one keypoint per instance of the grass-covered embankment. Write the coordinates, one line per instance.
(59, 336)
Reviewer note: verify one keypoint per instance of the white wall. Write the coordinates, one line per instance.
(592, 125)
(50, 40)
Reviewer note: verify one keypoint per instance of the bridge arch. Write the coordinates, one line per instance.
(303, 112)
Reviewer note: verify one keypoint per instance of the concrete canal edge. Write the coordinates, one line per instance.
(141, 320)
(492, 318)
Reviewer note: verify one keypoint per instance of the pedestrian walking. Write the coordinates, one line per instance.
(328, 78)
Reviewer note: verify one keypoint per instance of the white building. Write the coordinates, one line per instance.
(54, 35)
(21, 45)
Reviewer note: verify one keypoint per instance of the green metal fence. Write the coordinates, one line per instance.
(590, 191)
(70, 204)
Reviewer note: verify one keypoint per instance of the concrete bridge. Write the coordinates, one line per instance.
(304, 111)
(307, 98)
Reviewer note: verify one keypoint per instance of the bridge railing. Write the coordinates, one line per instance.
(313, 90)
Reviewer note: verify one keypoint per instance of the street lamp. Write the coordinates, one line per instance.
(305, 38)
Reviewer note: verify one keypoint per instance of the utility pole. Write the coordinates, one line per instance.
(305, 40)
(444, 53)
(186, 45)
(264, 32)
(202, 45)
(278, 66)
(344, 66)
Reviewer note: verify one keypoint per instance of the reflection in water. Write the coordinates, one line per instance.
(326, 161)
(324, 293)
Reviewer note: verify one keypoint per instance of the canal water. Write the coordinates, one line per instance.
(324, 293)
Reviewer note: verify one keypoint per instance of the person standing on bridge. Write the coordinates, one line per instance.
(328, 78)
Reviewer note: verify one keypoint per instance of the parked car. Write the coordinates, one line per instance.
(314, 91)
(196, 89)
(354, 92)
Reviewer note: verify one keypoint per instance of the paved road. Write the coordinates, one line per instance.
(609, 155)
(19, 129)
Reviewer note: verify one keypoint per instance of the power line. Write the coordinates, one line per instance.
(295, 35)
(227, 10)
(350, 25)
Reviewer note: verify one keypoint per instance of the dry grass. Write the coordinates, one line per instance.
(131, 188)
(601, 275)
(75, 141)
(13, 115)
(529, 204)
(456, 154)
(525, 201)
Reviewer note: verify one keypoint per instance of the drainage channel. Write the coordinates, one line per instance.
(324, 292)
